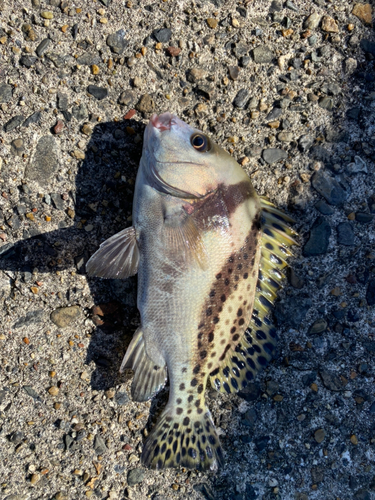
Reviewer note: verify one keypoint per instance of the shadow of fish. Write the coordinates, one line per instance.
(209, 254)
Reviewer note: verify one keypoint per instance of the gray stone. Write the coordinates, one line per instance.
(122, 398)
(127, 98)
(331, 381)
(162, 35)
(57, 59)
(30, 318)
(241, 98)
(99, 445)
(370, 293)
(117, 42)
(42, 47)
(17, 147)
(62, 101)
(45, 161)
(292, 310)
(345, 234)
(290, 5)
(326, 103)
(30, 391)
(34, 118)
(6, 93)
(319, 326)
(80, 112)
(276, 6)
(98, 92)
(295, 280)
(274, 114)
(135, 476)
(13, 123)
(233, 72)
(273, 155)
(263, 54)
(323, 208)
(354, 113)
(317, 474)
(64, 316)
(312, 21)
(329, 188)
(146, 104)
(196, 75)
(88, 59)
(318, 241)
(57, 201)
(28, 61)
(305, 142)
(363, 217)
(312, 40)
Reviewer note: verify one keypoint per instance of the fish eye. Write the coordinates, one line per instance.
(200, 142)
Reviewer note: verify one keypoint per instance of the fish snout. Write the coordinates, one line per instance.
(162, 122)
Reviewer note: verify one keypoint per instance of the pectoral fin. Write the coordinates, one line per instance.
(184, 238)
(117, 257)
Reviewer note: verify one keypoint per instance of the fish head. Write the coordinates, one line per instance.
(183, 161)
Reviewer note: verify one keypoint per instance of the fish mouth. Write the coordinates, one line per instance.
(162, 122)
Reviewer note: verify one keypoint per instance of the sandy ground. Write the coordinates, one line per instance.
(292, 97)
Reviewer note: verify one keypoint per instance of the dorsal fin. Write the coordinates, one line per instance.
(254, 349)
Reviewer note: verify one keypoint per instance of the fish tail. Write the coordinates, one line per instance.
(182, 440)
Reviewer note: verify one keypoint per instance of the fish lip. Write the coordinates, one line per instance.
(162, 122)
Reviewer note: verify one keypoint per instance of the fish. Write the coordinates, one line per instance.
(210, 255)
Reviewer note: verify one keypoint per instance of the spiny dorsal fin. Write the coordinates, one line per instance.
(148, 378)
(117, 257)
(255, 347)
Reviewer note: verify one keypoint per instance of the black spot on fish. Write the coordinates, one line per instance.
(239, 312)
(211, 336)
(249, 375)
(182, 387)
(251, 363)
(199, 411)
(212, 293)
(226, 387)
(179, 411)
(231, 259)
(213, 354)
(203, 354)
(208, 311)
(194, 382)
(236, 337)
(223, 298)
(168, 455)
(230, 270)
(245, 256)
(234, 383)
(226, 282)
(192, 453)
(268, 347)
(245, 276)
(196, 369)
(209, 366)
(200, 388)
(163, 448)
(269, 246)
(257, 349)
(218, 276)
(178, 457)
(215, 372)
(186, 421)
(159, 465)
(262, 360)
(239, 267)
(178, 401)
(241, 321)
(190, 398)
(226, 371)
(216, 320)
(260, 335)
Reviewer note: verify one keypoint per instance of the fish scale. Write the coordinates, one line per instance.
(209, 254)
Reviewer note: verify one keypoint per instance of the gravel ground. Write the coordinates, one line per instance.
(289, 89)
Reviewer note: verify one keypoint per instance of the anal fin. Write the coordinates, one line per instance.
(149, 378)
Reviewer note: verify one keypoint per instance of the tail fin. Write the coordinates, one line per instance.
(181, 440)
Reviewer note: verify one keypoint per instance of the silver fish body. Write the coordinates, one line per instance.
(208, 252)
